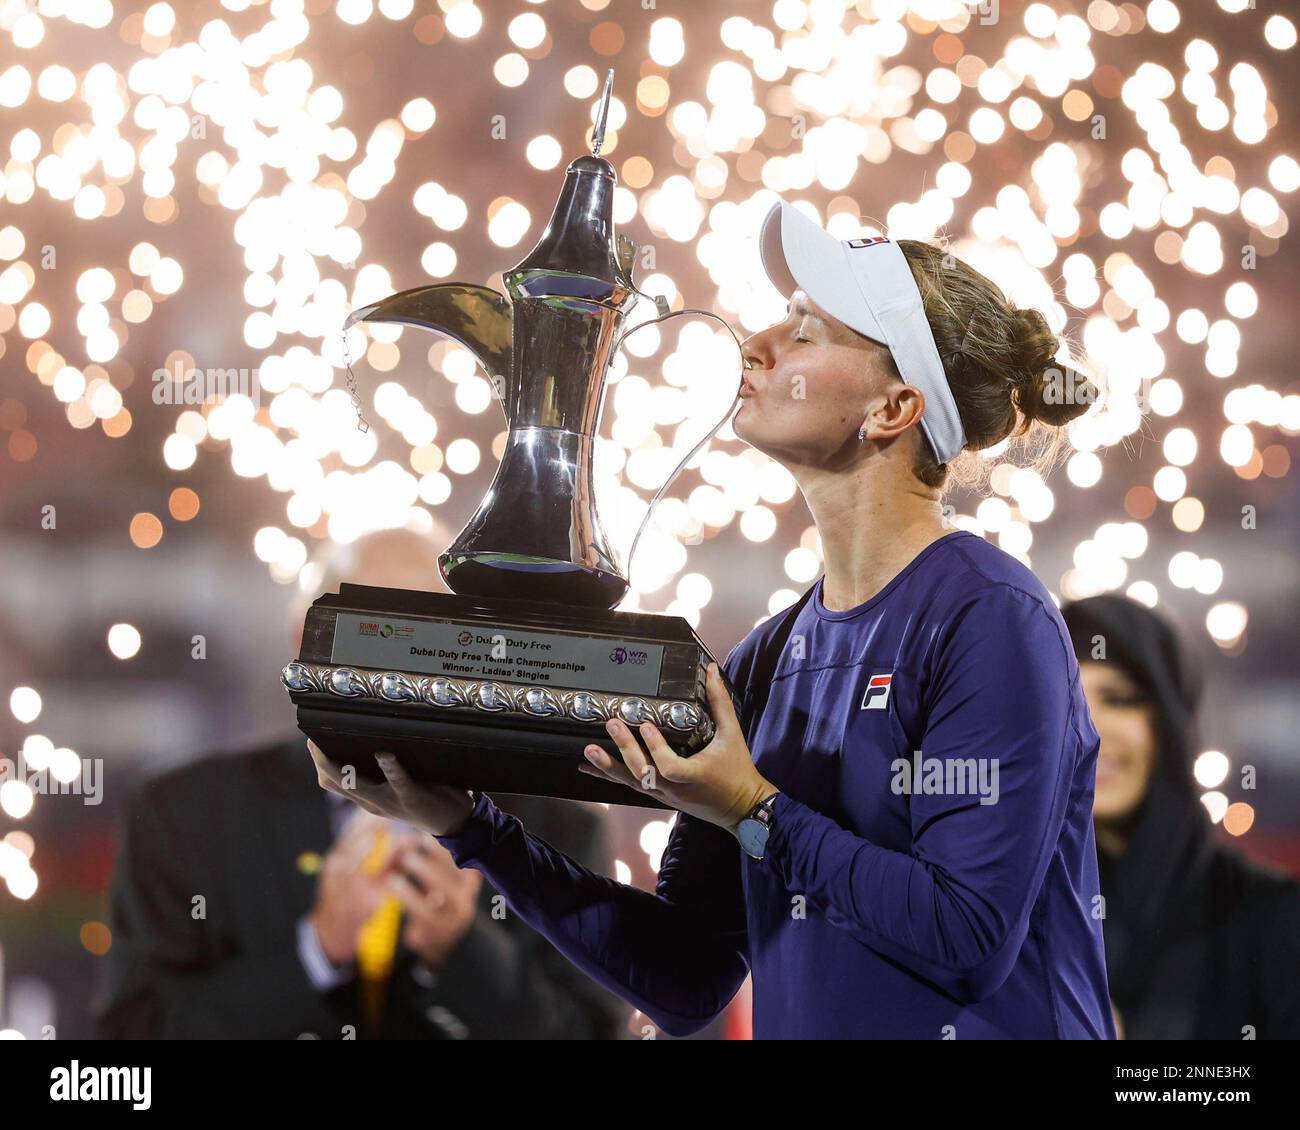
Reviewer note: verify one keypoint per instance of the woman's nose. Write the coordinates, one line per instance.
(754, 352)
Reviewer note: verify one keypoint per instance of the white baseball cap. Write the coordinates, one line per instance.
(866, 284)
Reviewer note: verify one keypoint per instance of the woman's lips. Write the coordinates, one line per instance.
(746, 389)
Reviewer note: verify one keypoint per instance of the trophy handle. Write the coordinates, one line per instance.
(661, 304)
(476, 316)
(626, 254)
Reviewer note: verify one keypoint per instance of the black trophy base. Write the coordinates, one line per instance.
(422, 676)
(443, 752)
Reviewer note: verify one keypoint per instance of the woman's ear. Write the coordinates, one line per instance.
(892, 412)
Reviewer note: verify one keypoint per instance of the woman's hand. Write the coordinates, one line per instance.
(719, 784)
(440, 810)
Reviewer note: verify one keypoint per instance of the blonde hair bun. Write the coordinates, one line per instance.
(1044, 388)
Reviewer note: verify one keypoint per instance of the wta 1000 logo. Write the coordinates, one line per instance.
(634, 656)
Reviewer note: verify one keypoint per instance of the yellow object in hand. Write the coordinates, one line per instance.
(377, 941)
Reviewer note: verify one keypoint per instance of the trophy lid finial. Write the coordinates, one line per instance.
(598, 137)
(577, 252)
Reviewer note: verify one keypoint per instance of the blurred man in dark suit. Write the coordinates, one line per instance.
(249, 903)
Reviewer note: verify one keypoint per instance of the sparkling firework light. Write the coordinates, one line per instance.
(1107, 163)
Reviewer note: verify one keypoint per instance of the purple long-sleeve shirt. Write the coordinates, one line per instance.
(931, 871)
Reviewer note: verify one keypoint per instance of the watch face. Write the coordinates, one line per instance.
(752, 835)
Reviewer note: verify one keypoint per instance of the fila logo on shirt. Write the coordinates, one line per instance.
(876, 696)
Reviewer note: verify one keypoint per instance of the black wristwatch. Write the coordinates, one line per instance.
(754, 829)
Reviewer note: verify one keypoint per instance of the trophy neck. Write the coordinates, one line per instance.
(568, 298)
(561, 358)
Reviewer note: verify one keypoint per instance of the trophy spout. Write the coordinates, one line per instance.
(476, 316)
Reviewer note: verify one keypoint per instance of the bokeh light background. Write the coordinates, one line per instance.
(214, 186)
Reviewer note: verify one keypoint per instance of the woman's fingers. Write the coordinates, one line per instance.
(670, 766)
(365, 794)
(398, 779)
(326, 770)
(608, 767)
(365, 805)
(720, 705)
(592, 769)
(327, 773)
(330, 774)
(643, 772)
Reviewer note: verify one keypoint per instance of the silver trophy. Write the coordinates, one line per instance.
(452, 683)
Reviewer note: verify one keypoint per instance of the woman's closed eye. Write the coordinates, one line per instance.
(1122, 699)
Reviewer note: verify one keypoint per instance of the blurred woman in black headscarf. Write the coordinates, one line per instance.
(1200, 943)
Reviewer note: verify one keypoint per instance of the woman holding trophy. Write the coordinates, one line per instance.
(894, 834)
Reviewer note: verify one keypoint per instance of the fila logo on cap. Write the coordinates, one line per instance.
(876, 696)
(868, 241)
